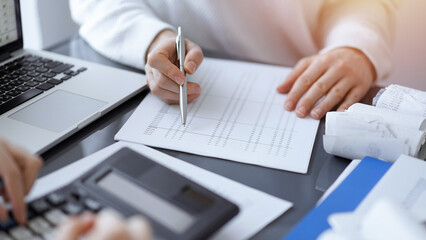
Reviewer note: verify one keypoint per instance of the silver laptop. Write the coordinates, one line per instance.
(45, 97)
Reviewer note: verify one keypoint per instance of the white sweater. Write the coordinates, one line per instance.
(278, 32)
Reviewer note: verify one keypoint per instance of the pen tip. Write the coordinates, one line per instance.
(183, 124)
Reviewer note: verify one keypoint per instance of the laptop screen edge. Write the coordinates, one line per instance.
(19, 43)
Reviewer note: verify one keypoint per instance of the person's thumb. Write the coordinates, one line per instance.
(194, 57)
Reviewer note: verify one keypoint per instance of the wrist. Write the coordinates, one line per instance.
(368, 64)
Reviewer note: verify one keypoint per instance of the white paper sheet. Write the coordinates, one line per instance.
(403, 99)
(391, 117)
(239, 116)
(257, 209)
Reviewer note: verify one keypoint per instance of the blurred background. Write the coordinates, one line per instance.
(48, 22)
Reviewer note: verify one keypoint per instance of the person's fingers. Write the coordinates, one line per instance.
(29, 165)
(192, 97)
(303, 83)
(149, 75)
(164, 82)
(31, 172)
(109, 226)
(193, 91)
(74, 227)
(12, 178)
(163, 94)
(354, 95)
(13, 184)
(193, 88)
(173, 97)
(139, 228)
(4, 194)
(293, 75)
(193, 58)
(162, 63)
(156, 89)
(333, 97)
(317, 91)
(3, 213)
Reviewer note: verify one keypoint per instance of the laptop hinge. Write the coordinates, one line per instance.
(4, 56)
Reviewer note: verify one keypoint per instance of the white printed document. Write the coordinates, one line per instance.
(257, 209)
(402, 99)
(239, 116)
(364, 130)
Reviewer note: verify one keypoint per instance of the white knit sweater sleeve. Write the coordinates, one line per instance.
(121, 30)
(367, 25)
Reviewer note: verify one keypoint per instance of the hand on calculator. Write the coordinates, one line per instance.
(18, 171)
(106, 225)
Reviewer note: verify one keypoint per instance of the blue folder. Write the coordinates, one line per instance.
(344, 198)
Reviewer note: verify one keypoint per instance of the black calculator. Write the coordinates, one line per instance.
(131, 184)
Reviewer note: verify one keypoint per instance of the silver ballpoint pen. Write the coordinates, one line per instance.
(180, 48)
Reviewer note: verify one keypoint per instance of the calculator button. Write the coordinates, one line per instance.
(55, 216)
(79, 194)
(36, 238)
(92, 205)
(30, 214)
(21, 233)
(40, 206)
(49, 235)
(55, 199)
(72, 208)
(39, 225)
(4, 236)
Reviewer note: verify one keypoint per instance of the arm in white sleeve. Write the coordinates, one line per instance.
(366, 25)
(121, 30)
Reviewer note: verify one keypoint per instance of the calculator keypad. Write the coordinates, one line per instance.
(55, 216)
(55, 199)
(39, 206)
(39, 225)
(46, 213)
(72, 208)
(21, 233)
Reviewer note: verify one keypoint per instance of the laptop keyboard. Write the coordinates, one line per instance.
(29, 76)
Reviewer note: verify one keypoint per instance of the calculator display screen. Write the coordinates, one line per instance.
(154, 207)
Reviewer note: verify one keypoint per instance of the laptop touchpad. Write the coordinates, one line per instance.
(58, 111)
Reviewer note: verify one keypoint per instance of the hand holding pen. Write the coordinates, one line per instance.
(162, 72)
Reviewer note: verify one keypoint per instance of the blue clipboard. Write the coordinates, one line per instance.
(345, 197)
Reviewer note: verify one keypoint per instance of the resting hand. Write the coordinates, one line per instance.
(342, 75)
(19, 170)
(107, 225)
(162, 74)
